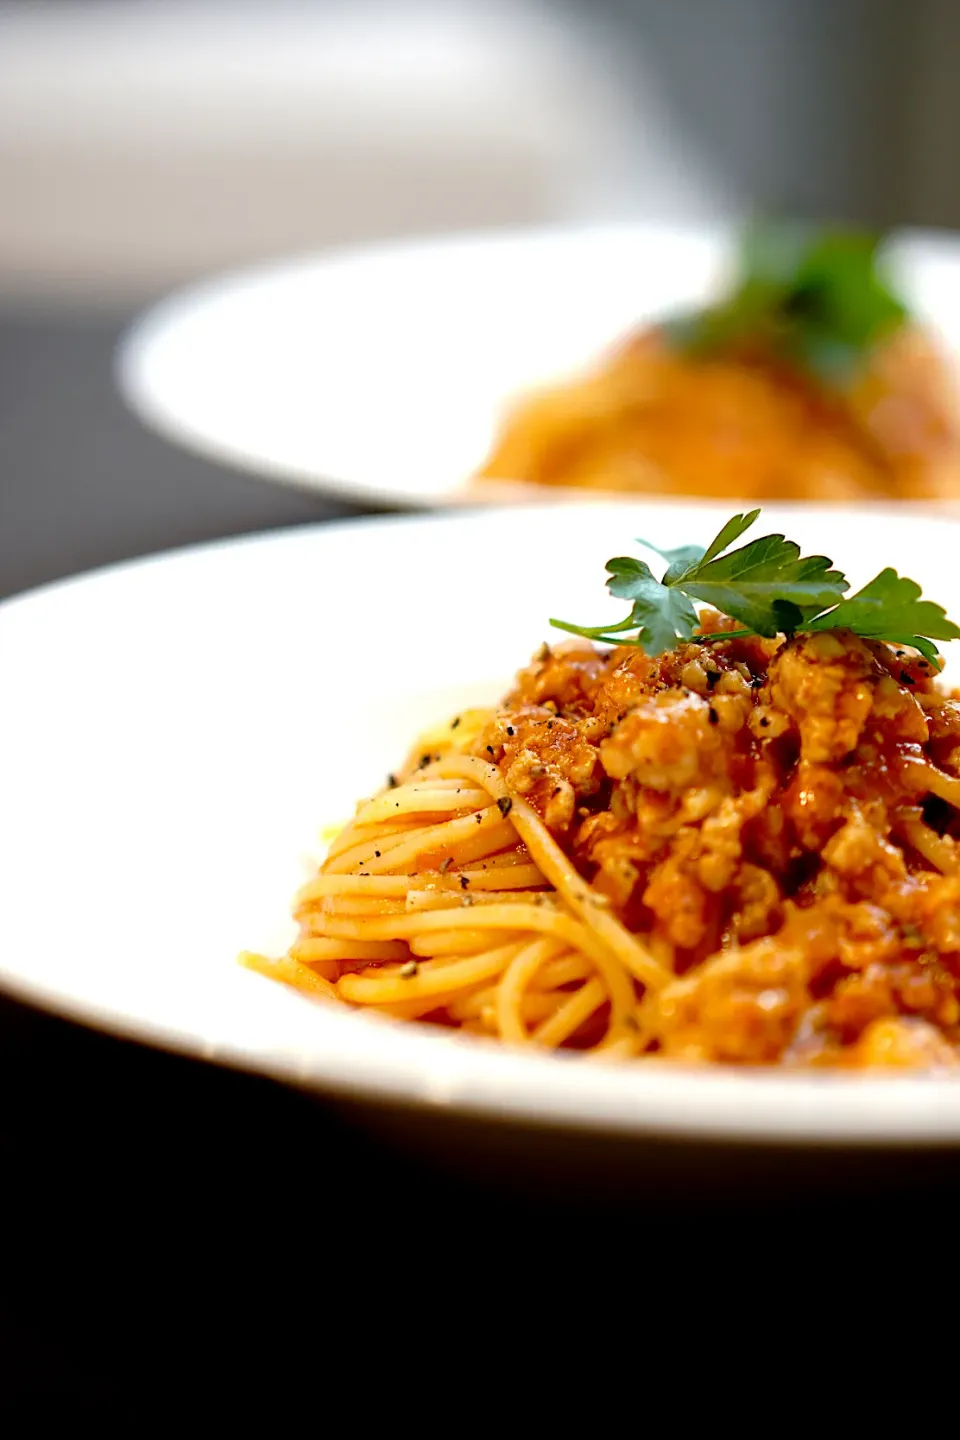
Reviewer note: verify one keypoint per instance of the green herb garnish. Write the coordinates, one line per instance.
(769, 588)
(813, 299)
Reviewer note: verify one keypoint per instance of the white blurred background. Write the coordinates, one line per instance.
(145, 141)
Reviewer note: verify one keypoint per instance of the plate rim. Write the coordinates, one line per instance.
(133, 350)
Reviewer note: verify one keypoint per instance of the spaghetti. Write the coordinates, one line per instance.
(744, 851)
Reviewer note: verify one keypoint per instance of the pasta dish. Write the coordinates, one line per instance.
(809, 380)
(690, 835)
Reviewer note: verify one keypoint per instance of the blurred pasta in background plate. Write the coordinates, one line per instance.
(808, 380)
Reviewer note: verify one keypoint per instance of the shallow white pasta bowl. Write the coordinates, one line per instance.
(383, 373)
(176, 732)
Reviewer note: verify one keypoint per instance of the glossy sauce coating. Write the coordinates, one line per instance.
(771, 817)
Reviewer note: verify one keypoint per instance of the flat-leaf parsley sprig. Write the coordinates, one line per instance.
(816, 299)
(770, 588)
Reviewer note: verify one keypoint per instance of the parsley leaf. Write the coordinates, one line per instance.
(766, 585)
(664, 615)
(814, 299)
(890, 608)
(660, 616)
(681, 559)
(736, 526)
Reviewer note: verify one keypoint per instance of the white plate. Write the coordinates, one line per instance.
(175, 732)
(383, 374)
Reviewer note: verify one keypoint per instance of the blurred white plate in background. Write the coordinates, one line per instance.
(175, 733)
(382, 373)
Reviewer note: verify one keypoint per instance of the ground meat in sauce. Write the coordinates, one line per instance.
(743, 804)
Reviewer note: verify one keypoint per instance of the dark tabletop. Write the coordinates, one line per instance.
(148, 1197)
